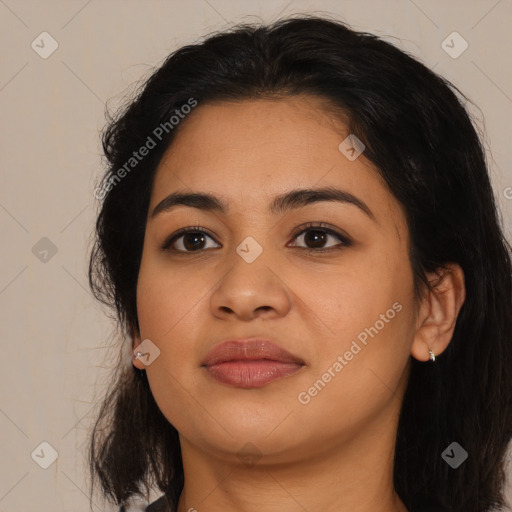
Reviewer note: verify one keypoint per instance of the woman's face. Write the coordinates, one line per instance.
(346, 312)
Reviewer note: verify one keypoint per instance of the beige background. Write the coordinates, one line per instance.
(55, 337)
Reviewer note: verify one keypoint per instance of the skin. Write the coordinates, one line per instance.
(334, 453)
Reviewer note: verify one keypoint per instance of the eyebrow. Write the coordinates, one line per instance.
(280, 204)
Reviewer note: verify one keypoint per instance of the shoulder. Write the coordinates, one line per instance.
(429, 508)
(160, 505)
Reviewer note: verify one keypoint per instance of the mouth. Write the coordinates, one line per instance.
(250, 363)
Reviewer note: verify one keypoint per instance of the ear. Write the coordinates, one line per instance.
(136, 341)
(438, 312)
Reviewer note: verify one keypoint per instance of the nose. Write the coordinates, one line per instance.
(250, 290)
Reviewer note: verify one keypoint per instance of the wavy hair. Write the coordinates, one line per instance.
(420, 136)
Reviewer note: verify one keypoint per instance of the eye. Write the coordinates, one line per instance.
(191, 239)
(316, 235)
(194, 239)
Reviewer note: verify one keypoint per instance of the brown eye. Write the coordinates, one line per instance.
(187, 240)
(316, 237)
(194, 240)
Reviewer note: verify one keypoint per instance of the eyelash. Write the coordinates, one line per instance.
(345, 242)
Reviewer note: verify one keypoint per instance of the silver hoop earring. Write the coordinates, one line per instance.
(140, 371)
(432, 355)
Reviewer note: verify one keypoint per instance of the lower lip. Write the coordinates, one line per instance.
(253, 373)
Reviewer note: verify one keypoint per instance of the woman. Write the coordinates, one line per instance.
(301, 243)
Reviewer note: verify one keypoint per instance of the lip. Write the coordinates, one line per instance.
(249, 349)
(250, 363)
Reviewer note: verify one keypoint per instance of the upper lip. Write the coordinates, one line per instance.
(248, 349)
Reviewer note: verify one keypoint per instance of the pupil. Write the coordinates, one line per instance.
(194, 236)
(315, 239)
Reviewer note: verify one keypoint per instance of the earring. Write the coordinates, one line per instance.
(140, 371)
(432, 355)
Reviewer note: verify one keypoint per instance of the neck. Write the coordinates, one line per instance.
(352, 475)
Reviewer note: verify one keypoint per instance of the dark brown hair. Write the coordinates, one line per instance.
(421, 139)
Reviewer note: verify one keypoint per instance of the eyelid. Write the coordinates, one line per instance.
(319, 225)
(166, 245)
(345, 241)
(322, 226)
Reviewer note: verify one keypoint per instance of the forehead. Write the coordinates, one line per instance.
(252, 150)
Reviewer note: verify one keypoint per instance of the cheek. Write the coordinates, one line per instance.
(353, 297)
(165, 299)
(167, 303)
(366, 316)
(358, 369)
